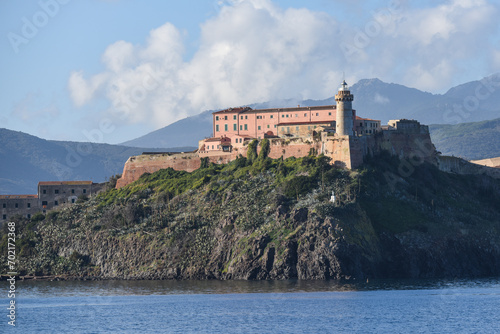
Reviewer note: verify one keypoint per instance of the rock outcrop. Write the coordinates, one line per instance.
(252, 222)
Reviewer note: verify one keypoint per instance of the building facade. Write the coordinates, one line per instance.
(50, 195)
(233, 126)
(24, 205)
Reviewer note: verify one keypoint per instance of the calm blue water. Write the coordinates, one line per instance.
(469, 306)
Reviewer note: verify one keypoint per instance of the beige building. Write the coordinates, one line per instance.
(50, 195)
(24, 205)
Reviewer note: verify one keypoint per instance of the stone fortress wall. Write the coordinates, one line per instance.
(345, 151)
(334, 131)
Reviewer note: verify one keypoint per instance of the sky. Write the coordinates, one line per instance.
(113, 70)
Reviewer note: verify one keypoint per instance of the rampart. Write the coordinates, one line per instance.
(460, 166)
(344, 151)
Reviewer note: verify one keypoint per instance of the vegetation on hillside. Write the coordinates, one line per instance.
(262, 218)
(474, 141)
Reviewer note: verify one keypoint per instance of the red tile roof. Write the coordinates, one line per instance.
(212, 140)
(18, 196)
(366, 119)
(233, 110)
(61, 183)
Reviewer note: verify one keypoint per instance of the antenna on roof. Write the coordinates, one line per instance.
(343, 76)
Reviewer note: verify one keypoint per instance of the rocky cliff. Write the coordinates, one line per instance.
(257, 218)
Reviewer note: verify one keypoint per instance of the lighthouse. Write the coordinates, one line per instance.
(344, 111)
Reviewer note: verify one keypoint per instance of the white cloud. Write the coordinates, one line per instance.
(254, 51)
(82, 91)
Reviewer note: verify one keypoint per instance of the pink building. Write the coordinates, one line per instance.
(233, 126)
(256, 123)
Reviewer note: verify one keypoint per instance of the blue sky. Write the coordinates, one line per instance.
(113, 70)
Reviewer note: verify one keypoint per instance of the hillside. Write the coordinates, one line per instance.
(259, 218)
(27, 159)
(479, 140)
(374, 99)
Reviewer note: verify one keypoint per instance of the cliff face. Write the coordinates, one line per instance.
(273, 219)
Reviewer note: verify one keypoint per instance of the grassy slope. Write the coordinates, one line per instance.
(184, 212)
(480, 140)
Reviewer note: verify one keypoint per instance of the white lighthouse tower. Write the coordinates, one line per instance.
(345, 122)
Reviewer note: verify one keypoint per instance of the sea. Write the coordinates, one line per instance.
(292, 306)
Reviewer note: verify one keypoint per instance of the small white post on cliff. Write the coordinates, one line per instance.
(332, 199)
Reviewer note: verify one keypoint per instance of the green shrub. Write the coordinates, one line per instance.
(299, 185)
(37, 217)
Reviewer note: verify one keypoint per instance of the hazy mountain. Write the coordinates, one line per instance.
(471, 102)
(479, 140)
(26, 160)
(186, 132)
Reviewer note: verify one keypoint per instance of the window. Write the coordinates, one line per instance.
(16, 205)
(4, 205)
(296, 115)
(235, 127)
(84, 191)
(56, 191)
(286, 115)
(56, 203)
(235, 117)
(274, 125)
(241, 140)
(225, 127)
(329, 114)
(216, 118)
(72, 191)
(246, 127)
(305, 114)
(282, 116)
(29, 216)
(217, 127)
(308, 128)
(241, 117)
(268, 126)
(44, 202)
(212, 147)
(29, 205)
(317, 114)
(272, 116)
(72, 200)
(258, 128)
(296, 128)
(288, 129)
(44, 191)
(246, 117)
(225, 118)
(241, 126)
(4, 217)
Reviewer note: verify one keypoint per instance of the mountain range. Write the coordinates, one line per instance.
(470, 102)
(26, 160)
(471, 111)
